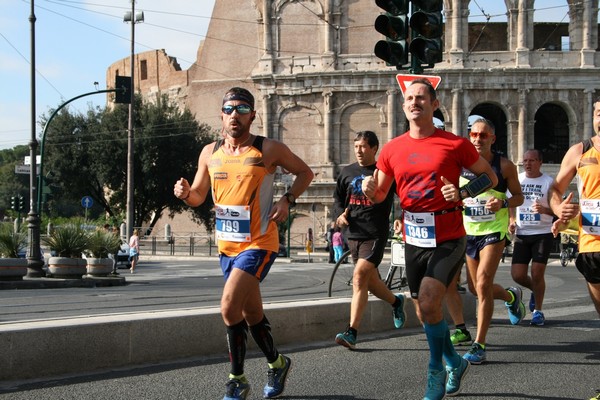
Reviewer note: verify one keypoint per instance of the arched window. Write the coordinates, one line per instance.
(498, 118)
(551, 132)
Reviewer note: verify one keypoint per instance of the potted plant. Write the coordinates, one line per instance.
(67, 244)
(12, 242)
(101, 244)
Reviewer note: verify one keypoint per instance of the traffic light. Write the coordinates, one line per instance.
(394, 26)
(427, 28)
(123, 87)
(21, 203)
(13, 203)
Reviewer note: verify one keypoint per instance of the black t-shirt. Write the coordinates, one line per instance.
(367, 220)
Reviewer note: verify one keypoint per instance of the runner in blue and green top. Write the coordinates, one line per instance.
(485, 219)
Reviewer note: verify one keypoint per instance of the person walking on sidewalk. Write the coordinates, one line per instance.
(425, 164)
(367, 233)
(134, 250)
(486, 223)
(240, 168)
(337, 241)
(532, 222)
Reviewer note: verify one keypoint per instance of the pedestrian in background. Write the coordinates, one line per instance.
(337, 241)
(239, 168)
(134, 250)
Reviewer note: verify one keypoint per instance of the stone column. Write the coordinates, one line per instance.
(588, 49)
(458, 127)
(522, 35)
(522, 139)
(327, 126)
(588, 116)
(392, 96)
(458, 15)
(266, 118)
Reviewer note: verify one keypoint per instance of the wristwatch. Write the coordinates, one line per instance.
(505, 203)
(463, 194)
(291, 199)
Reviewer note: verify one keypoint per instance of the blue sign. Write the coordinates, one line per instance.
(87, 202)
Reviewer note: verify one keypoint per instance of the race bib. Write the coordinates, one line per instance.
(590, 216)
(475, 210)
(528, 217)
(232, 223)
(419, 229)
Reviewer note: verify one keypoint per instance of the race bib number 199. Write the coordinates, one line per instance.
(233, 223)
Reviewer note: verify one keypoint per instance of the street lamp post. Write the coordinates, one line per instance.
(133, 18)
(34, 255)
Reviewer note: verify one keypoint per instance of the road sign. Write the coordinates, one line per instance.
(87, 202)
(404, 80)
(25, 169)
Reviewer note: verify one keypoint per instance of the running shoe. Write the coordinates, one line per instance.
(476, 354)
(346, 339)
(399, 315)
(236, 390)
(276, 380)
(537, 319)
(531, 302)
(460, 337)
(596, 397)
(455, 376)
(516, 310)
(436, 385)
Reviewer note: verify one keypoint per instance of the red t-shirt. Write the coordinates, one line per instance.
(417, 166)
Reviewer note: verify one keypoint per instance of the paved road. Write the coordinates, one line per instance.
(558, 361)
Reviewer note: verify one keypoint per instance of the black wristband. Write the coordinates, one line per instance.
(505, 203)
(186, 197)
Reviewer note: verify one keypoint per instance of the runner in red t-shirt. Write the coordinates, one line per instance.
(425, 163)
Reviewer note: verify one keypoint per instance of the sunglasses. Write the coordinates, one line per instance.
(240, 108)
(481, 135)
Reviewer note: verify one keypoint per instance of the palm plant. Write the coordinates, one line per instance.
(11, 242)
(101, 244)
(70, 240)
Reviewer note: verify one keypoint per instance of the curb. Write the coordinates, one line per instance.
(43, 348)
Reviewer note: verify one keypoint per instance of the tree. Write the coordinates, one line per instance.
(12, 184)
(87, 155)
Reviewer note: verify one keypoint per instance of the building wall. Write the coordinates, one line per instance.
(311, 66)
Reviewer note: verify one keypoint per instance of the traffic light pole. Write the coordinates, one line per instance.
(43, 141)
(34, 254)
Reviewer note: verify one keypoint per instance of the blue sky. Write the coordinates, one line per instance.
(76, 41)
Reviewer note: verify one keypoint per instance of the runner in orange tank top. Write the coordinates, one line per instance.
(239, 168)
(583, 160)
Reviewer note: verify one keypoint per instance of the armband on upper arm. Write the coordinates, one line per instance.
(476, 186)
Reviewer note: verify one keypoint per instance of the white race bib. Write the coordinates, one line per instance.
(232, 223)
(475, 210)
(419, 229)
(590, 216)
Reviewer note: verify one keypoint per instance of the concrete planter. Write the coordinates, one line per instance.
(65, 267)
(99, 266)
(13, 269)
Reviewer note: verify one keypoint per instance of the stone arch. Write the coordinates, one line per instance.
(354, 116)
(551, 131)
(497, 114)
(300, 24)
(298, 121)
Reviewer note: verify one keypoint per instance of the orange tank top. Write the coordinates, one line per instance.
(588, 185)
(242, 189)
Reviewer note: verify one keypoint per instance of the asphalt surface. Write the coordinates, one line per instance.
(558, 361)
